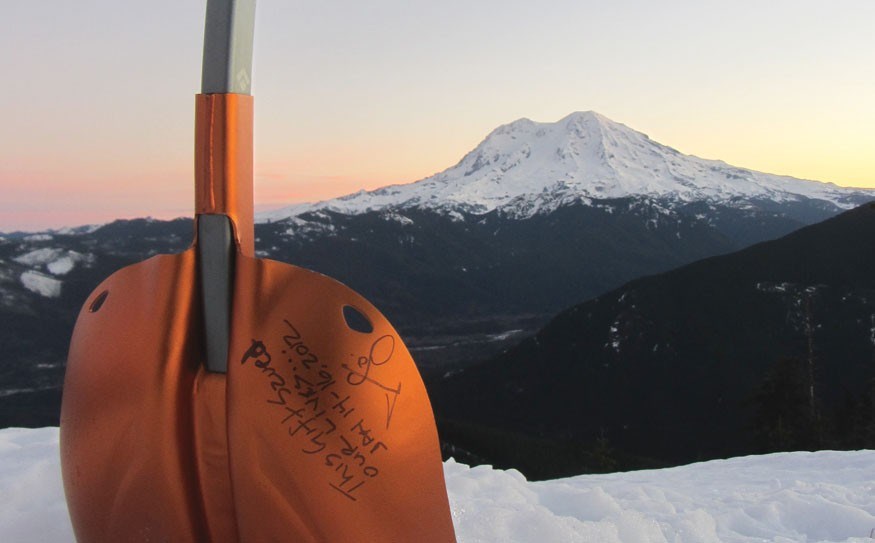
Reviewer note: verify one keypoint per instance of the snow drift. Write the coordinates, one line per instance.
(782, 498)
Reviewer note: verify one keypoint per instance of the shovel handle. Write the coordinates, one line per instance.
(223, 162)
(223, 167)
(223, 131)
(228, 37)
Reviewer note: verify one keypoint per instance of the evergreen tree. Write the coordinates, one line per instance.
(787, 417)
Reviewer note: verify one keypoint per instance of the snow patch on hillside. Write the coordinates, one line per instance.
(61, 266)
(41, 284)
(39, 237)
(56, 261)
(397, 217)
(823, 497)
(315, 224)
(79, 230)
(38, 257)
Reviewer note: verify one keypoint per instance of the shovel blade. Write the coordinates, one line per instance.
(321, 430)
(128, 450)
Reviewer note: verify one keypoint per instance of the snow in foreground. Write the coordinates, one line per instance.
(782, 498)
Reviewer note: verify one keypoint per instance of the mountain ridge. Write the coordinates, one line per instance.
(683, 365)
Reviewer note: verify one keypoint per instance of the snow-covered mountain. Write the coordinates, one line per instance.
(526, 167)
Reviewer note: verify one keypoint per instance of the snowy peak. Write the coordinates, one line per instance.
(527, 167)
(564, 148)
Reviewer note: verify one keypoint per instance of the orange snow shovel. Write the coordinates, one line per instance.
(211, 396)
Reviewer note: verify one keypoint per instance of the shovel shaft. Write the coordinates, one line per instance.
(223, 166)
(228, 37)
(224, 209)
(223, 162)
(223, 111)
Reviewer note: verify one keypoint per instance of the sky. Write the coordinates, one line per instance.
(97, 96)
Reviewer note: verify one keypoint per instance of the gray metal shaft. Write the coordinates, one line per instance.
(227, 68)
(228, 38)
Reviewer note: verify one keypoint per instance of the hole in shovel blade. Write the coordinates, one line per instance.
(356, 320)
(98, 302)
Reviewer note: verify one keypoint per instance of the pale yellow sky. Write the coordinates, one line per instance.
(97, 98)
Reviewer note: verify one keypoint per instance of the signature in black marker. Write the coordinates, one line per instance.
(381, 352)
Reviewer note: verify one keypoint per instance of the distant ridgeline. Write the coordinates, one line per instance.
(768, 349)
(459, 290)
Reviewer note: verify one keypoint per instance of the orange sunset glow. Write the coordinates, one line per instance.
(99, 117)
